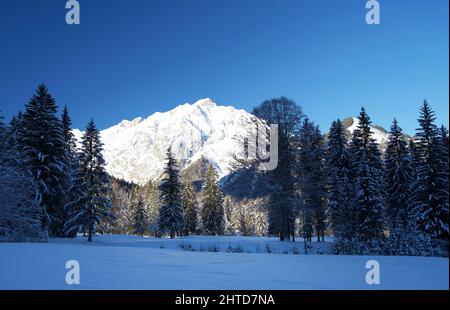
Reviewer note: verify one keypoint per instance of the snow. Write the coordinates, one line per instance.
(127, 262)
(135, 150)
(380, 137)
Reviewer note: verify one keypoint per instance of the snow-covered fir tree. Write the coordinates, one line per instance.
(368, 180)
(212, 209)
(40, 139)
(72, 168)
(305, 173)
(340, 190)
(96, 184)
(20, 211)
(171, 215)
(430, 195)
(140, 217)
(398, 178)
(190, 207)
(404, 237)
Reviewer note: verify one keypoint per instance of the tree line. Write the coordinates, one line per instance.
(393, 203)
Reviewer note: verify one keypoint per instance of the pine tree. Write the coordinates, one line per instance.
(398, 178)
(70, 190)
(212, 212)
(140, 217)
(368, 173)
(340, 191)
(40, 140)
(404, 239)
(20, 213)
(171, 217)
(430, 196)
(311, 180)
(95, 184)
(190, 207)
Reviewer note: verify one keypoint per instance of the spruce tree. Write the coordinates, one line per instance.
(40, 139)
(340, 190)
(404, 238)
(171, 217)
(212, 212)
(368, 174)
(94, 183)
(398, 178)
(311, 180)
(71, 191)
(190, 207)
(430, 196)
(140, 217)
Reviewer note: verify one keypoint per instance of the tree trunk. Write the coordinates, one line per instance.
(90, 235)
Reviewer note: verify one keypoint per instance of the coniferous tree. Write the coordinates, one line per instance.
(369, 186)
(20, 213)
(171, 215)
(311, 180)
(140, 217)
(190, 207)
(212, 212)
(340, 190)
(398, 178)
(430, 196)
(404, 237)
(71, 191)
(94, 183)
(40, 139)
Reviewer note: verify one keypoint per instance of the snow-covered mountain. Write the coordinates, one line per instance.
(379, 133)
(199, 133)
(136, 150)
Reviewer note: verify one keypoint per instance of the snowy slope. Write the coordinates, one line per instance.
(126, 262)
(136, 150)
(379, 134)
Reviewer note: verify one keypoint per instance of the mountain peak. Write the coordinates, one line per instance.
(206, 102)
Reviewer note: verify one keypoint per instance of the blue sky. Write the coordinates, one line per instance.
(131, 58)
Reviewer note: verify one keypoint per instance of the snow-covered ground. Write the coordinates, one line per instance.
(127, 262)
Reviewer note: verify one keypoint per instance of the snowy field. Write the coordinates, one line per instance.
(127, 262)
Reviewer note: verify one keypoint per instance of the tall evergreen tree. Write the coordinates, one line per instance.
(212, 212)
(171, 217)
(398, 178)
(340, 189)
(40, 139)
(312, 180)
(368, 173)
(71, 191)
(430, 196)
(140, 217)
(94, 183)
(190, 207)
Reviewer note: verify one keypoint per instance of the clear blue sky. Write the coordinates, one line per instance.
(130, 58)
